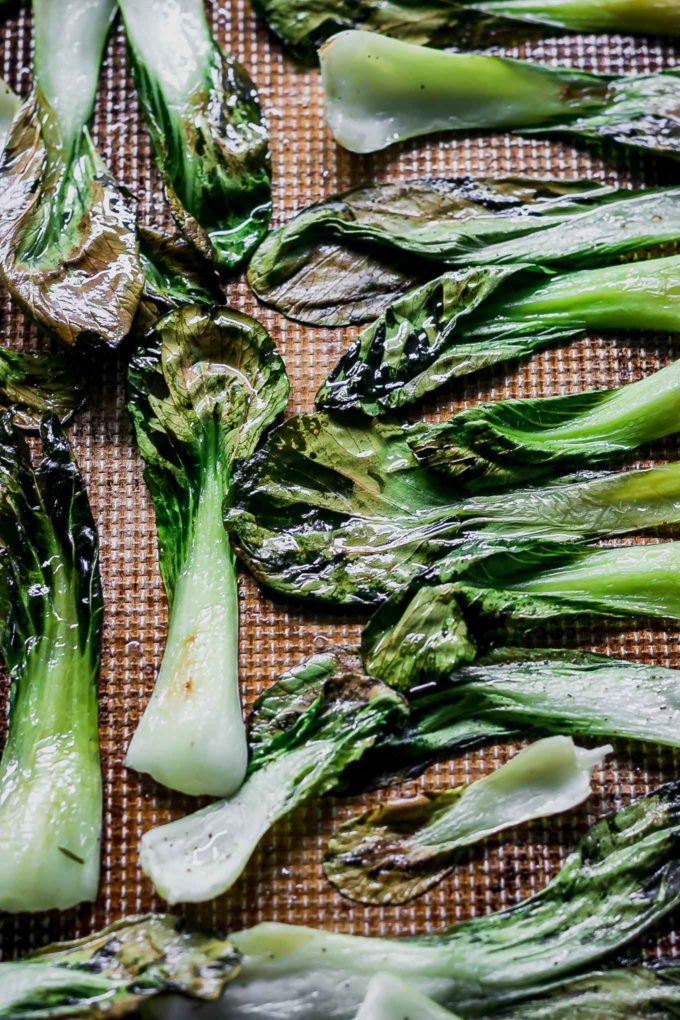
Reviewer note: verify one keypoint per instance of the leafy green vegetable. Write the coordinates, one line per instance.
(34, 383)
(116, 970)
(616, 994)
(388, 997)
(305, 732)
(50, 639)
(508, 441)
(513, 692)
(9, 104)
(68, 245)
(204, 117)
(380, 91)
(345, 512)
(304, 24)
(470, 319)
(402, 848)
(475, 598)
(345, 259)
(175, 274)
(202, 390)
(621, 878)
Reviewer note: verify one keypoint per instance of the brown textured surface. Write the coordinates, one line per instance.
(285, 881)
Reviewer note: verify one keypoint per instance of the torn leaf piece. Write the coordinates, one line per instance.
(402, 848)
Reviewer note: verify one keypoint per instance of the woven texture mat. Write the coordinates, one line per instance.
(284, 881)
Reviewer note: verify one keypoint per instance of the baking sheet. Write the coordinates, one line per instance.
(284, 880)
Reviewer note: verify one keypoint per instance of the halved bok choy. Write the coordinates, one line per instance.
(380, 91)
(202, 389)
(68, 241)
(470, 319)
(50, 638)
(206, 125)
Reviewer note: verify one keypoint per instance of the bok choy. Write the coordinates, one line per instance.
(206, 125)
(305, 732)
(387, 997)
(68, 244)
(517, 691)
(345, 259)
(619, 880)
(345, 512)
(328, 727)
(381, 90)
(203, 388)
(50, 638)
(469, 319)
(402, 848)
(304, 24)
(117, 970)
(473, 599)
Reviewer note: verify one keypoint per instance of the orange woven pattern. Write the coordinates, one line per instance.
(285, 881)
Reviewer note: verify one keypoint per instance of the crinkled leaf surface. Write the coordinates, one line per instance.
(198, 369)
(474, 597)
(619, 880)
(210, 139)
(113, 971)
(343, 511)
(68, 244)
(344, 260)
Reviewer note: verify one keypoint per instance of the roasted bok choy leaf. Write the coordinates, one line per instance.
(304, 24)
(35, 383)
(470, 319)
(466, 601)
(305, 732)
(50, 638)
(345, 512)
(618, 882)
(68, 244)
(344, 260)
(203, 387)
(517, 691)
(9, 104)
(381, 90)
(206, 125)
(508, 441)
(402, 848)
(115, 971)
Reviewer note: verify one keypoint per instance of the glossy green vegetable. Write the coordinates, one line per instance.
(516, 691)
(305, 732)
(68, 245)
(203, 388)
(470, 319)
(620, 879)
(463, 602)
(345, 512)
(304, 24)
(50, 638)
(380, 91)
(115, 971)
(508, 441)
(401, 848)
(345, 259)
(204, 117)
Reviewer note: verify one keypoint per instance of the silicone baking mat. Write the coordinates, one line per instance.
(285, 881)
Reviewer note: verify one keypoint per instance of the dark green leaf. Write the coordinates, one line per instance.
(68, 245)
(343, 512)
(344, 260)
(475, 597)
(470, 319)
(203, 113)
